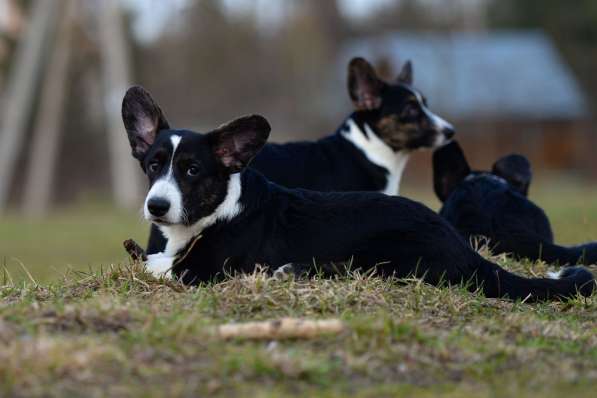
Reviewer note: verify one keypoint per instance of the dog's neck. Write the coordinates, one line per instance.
(378, 152)
(179, 236)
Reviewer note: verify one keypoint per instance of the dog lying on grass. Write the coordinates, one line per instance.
(494, 205)
(220, 216)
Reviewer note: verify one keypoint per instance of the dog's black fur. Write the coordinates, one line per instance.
(243, 219)
(494, 205)
(330, 164)
(395, 112)
(516, 170)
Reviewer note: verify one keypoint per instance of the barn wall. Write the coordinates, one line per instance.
(563, 146)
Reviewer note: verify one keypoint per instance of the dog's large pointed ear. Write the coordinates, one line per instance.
(406, 75)
(364, 86)
(450, 168)
(238, 141)
(516, 170)
(143, 119)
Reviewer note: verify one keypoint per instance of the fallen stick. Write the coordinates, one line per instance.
(134, 250)
(284, 328)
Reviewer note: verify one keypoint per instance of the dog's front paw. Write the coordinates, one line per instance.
(159, 265)
(284, 272)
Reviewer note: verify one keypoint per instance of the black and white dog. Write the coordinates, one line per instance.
(369, 150)
(494, 205)
(219, 215)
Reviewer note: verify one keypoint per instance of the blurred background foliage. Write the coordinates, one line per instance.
(572, 27)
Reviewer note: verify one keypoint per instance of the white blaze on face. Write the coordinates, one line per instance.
(439, 124)
(166, 188)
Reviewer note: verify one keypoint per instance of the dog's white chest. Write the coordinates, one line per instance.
(379, 153)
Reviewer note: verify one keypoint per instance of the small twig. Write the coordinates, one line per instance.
(134, 250)
(284, 328)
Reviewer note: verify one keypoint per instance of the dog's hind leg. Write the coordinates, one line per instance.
(289, 270)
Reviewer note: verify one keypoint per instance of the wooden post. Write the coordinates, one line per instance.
(48, 125)
(23, 79)
(125, 171)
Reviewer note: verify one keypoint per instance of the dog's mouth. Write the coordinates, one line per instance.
(442, 138)
(445, 140)
(161, 221)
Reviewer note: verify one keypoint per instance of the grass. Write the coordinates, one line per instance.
(116, 331)
(124, 333)
(81, 238)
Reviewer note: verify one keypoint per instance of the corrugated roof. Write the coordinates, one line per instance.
(497, 74)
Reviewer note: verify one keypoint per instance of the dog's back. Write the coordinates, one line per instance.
(329, 164)
(486, 205)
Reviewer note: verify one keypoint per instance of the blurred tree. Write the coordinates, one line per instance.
(444, 15)
(573, 27)
(327, 16)
(191, 65)
(12, 22)
(214, 64)
(404, 15)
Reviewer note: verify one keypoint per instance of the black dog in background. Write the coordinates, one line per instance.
(494, 205)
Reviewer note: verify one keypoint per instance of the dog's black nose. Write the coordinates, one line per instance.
(158, 206)
(449, 132)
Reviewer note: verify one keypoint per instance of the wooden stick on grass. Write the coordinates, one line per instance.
(284, 328)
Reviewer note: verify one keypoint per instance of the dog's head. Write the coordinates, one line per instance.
(515, 169)
(188, 172)
(450, 169)
(397, 112)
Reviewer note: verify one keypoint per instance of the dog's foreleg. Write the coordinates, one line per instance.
(160, 265)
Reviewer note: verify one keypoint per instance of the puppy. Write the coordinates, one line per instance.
(494, 205)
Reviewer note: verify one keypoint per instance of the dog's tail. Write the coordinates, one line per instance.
(497, 282)
(585, 253)
(551, 253)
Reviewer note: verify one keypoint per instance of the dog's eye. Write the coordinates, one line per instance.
(153, 167)
(411, 111)
(192, 171)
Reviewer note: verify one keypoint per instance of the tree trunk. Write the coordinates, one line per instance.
(19, 100)
(46, 134)
(125, 173)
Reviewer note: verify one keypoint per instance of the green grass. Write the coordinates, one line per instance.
(123, 333)
(116, 331)
(79, 238)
